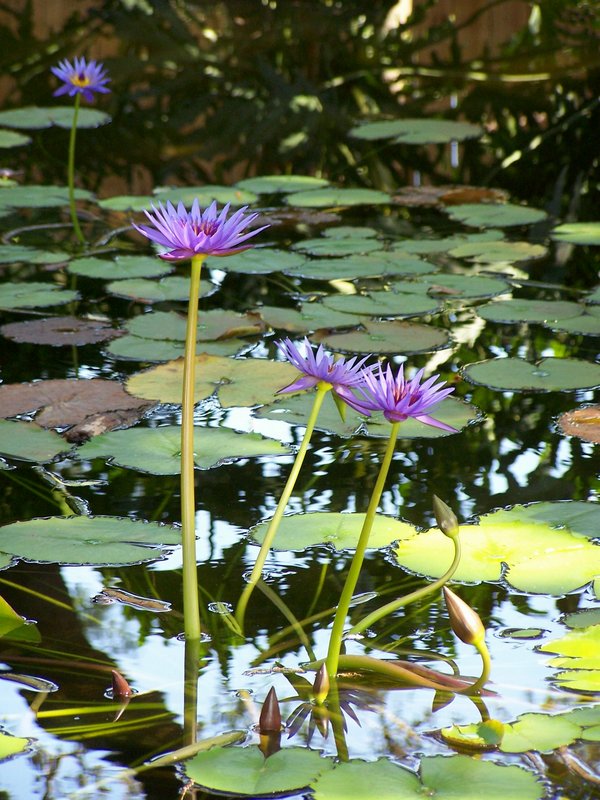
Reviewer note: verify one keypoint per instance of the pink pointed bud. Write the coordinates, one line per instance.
(120, 687)
(270, 715)
(321, 684)
(465, 622)
(445, 518)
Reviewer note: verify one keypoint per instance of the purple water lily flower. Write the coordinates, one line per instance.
(400, 399)
(186, 234)
(341, 374)
(81, 77)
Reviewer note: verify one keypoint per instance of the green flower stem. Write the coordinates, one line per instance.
(71, 171)
(191, 610)
(337, 631)
(418, 594)
(322, 389)
(486, 667)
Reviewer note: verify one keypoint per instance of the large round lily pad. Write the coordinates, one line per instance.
(521, 310)
(498, 251)
(417, 131)
(98, 541)
(158, 450)
(496, 215)
(388, 336)
(369, 266)
(13, 253)
(578, 658)
(34, 295)
(325, 198)
(257, 261)
(384, 304)
(275, 184)
(311, 317)
(40, 196)
(121, 268)
(336, 247)
(549, 374)
(295, 409)
(175, 287)
(463, 286)
(37, 117)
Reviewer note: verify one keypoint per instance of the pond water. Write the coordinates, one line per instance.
(466, 246)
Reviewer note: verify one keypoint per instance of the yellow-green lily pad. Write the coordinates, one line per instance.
(498, 251)
(276, 184)
(311, 317)
(12, 745)
(38, 117)
(336, 247)
(417, 131)
(576, 232)
(205, 195)
(13, 139)
(494, 215)
(40, 196)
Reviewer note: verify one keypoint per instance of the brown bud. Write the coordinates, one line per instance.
(445, 517)
(120, 687)
(270, 715)
(465, 622)
(321, 684)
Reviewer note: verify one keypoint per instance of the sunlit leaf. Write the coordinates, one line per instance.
(295, 410)
(496, 215)
(417, 131)
(539, 732)
(272, 184)
(29, 442)
(34, 295)
(158, 450)
(331, 198)
(549, 374)
(389, 336)
(579, 649)
(175, 287)
(37, 117)
(576, 232)
(12, 745)
(14, 627)
(334, 247)
(87, 540)
(121, 268)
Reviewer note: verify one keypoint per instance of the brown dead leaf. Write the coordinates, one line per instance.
(473, 194)
(583, 423)
(59, 331)
(447, 195)
(93, 406)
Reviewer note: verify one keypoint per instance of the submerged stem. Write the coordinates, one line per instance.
(191, 611)
(337, 631)
(71, 171)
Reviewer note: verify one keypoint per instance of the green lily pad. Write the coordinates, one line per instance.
(583, 619)
(417, 131)
(12, 745)
(28, 442)
(40, 196)
(90, 541)
(237, 382)
(311, 317)
(585, 324)
(34, 295)
(13, 139)
(520, 310)
(540, 558)
(205, 195)
(350, 267)
(295, 410)
(579, 648)
(383, 304)
(577, 233)
(332, 198)
(388, 336)
(463, 286)
(126, 202)
(593, 297)
(539, 732)
(121, 268)
(158, 450)
(214, 324)
(175, 287)
(14, 253)
(257, 261)
(333, 247)
(38, 117)
(446, 244)
(245, 771)
(350, 232)
(275, 184)
(578, 516)
(457, 777)
(340, 531)
(14, 627)
(496, 215)
(498, 251)
(139, 348)
(549, 374)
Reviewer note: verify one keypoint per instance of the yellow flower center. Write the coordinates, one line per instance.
(80, 80)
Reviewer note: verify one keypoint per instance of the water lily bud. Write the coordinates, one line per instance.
(445, 518)
(465, 622)
(270, 715)
(321, 684)
(120, 687)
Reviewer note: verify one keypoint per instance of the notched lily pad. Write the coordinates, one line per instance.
(158, 450)
(60, 331)
(15, 253)
(205, 195)
(579, 657)
(498, 251)
(91, 541)
(384, 304)
(337, 247)
(40, 196)
(549, 374)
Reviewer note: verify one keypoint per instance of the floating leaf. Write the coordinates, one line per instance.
(383, 304)
(340, 531)
(587, 324)
(40, 196)
(349, 267)
(120, 269)
(579, 650)
(350, 232)
(582, 422)
(577, 233)
(245, 771)
(13, 253)
(583, 619)
(326, 198)
(295, 410)
(540, 557)
(127, 202)
(238, 382)
(311, 317)
(158, 450)
(12, 745)
(498, 251)
(205, 195)
(497, 215)
(37, 117)
(333, 247)
(257, 261)
(59, 331)
(12, 139)
(29, 442)
(520, 310)
(138, 348)
(391, 336)
(417, 131)
(175, 287)
(34, 295)
(446, 244)
(549, 374)
(539, 732)
(464, 286)
(90, 541)
(274, 184)
(14, 627)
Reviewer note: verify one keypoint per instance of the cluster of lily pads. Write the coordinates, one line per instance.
(384, 284)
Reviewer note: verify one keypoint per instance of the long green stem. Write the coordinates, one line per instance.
(486, 665)
(337, 630)
(322, 389)
(71, 171)
(191, 610)
(418, 594)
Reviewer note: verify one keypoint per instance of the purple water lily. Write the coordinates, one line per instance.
(81, 77)
(400, 399)
(341, 374)
(186, 234)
